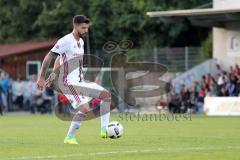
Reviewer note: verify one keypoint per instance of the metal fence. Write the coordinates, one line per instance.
(176, 59)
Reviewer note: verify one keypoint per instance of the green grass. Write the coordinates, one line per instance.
(41, 137)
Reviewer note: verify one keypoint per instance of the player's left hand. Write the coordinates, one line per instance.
(50, 79)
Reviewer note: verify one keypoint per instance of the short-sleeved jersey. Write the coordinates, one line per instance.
(71, 52)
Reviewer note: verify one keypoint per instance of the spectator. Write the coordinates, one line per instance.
(50, 98)
(27, 97)
(5, 84)
(237, 68)
(173, 101)
(211, 91)
(47, 96)
(225, 84)
(196, 88)
(232, 87)
(217, 71)
(200, 100)
(1, 101)
(220, 82)
(223, 92)
(213, 84)
(18, 92)
(232, 71)
(185, 99)
(37, 96)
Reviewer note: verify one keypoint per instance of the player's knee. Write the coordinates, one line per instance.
(105, 96)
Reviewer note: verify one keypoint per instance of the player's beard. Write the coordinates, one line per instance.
(82, 35)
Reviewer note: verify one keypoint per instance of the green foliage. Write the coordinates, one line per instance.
(17, 18)
(111, 20)
(206, 47)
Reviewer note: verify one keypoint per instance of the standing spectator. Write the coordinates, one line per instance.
(18, 92)
(208, 78)
(5, 84)
(36, 95)
(1, 101)
(27, 98)
(237, 68)
(173, 101)
(185, 99)
(200, 100)
(50, 98)
(217, 71)
(232, 71)
(213, 86)
(220, 82)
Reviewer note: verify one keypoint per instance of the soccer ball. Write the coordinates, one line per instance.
(114, 130)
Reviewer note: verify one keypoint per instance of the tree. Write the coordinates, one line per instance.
(116, 20)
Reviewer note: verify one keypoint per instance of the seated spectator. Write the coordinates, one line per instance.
(231, 87)
(162, 103)
(211, 91)
(223, 92)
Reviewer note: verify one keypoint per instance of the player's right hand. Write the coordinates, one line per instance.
(41, 83)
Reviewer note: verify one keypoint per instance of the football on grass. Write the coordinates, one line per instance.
(114, 130)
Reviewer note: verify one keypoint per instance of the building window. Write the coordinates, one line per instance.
(33, 67)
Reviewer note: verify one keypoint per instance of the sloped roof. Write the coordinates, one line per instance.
(24, 47)
(209, 17)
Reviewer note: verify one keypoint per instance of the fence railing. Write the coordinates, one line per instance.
(176, 59)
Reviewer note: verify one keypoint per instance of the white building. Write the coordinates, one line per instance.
(224, 18)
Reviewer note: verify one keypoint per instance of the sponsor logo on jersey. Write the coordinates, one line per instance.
(77, 54)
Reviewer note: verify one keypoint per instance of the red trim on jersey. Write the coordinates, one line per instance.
(65, 82)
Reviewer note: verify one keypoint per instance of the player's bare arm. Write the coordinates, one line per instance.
(55, 73)
(56, 67)
(41, 83)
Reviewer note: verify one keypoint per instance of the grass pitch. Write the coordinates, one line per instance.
(41, 137)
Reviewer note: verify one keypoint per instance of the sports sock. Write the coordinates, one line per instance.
(105, 113)
(75, 124)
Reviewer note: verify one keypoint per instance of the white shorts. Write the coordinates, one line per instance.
(81, 93)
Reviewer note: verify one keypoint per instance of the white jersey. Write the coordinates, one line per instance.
(71, 52)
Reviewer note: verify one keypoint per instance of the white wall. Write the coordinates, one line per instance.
(222, 36)
(226, 4)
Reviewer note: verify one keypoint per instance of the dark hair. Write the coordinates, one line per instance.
(78, 19)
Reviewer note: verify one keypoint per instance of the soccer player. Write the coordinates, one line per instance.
(71, 81)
